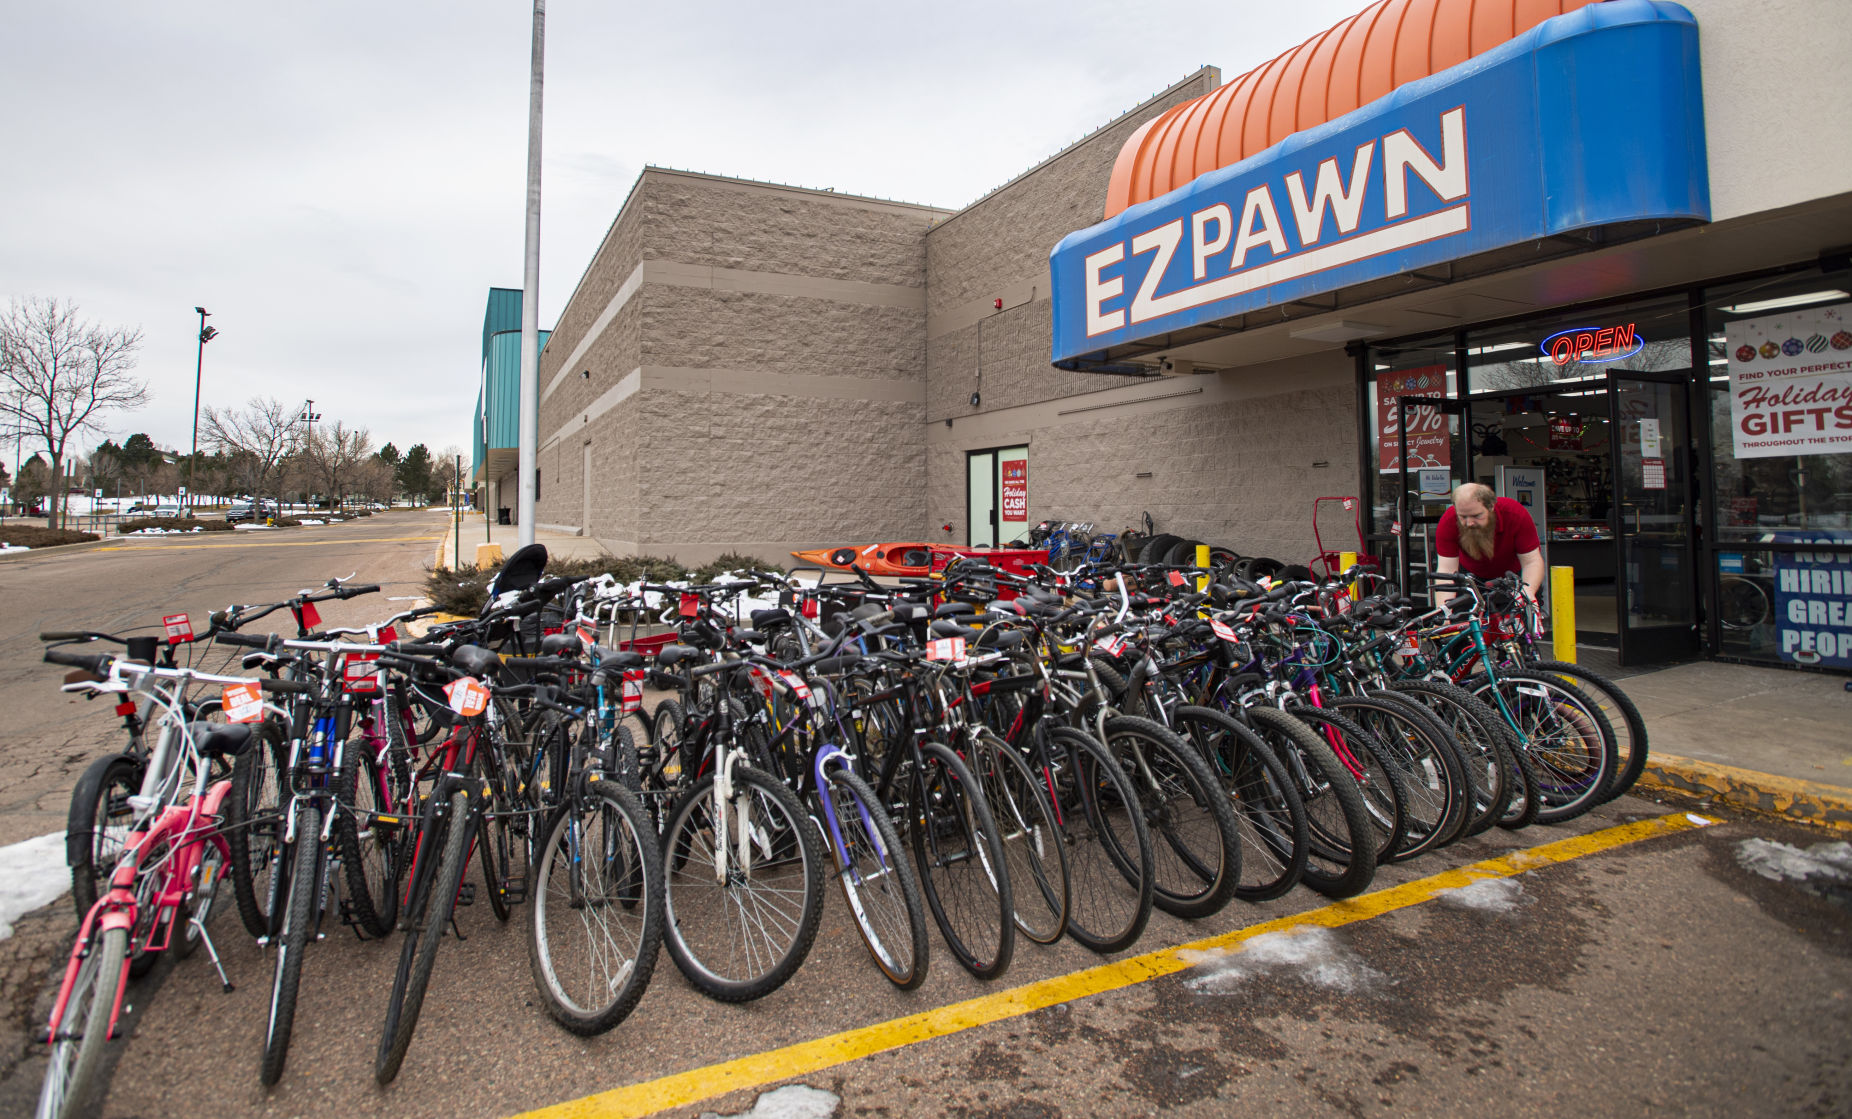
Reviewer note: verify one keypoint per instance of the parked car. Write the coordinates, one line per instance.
(250, 511)
(166, 511)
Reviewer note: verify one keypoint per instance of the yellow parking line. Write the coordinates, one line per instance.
(258, 544)
(759, 1069)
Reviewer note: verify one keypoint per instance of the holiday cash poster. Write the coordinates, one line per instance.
(1791, 383)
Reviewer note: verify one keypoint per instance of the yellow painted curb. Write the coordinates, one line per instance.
(1786, 798)
(760, 1069)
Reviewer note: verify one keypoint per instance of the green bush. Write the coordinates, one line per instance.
(38, 536)
(184, 524)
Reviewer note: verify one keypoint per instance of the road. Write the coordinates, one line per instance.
(1639, 966)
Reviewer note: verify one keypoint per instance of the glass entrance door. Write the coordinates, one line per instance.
(1653, 516)
(996, 496)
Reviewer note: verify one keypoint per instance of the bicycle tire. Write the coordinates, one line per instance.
(612, 883)
(1157, 547)
(1629, 728)
(1385, 793)
(1195, 838)
(786, 841)
(878, 881)
(1271, 815)
(71, 1085)
(292, 943)
(1341, 842)
(1026, 830)
(369, 851)
(1485, 744)
(960, 861)
(98, 825)
(1423, 751)
(430, 917)
(1109, 855)
(253, 827)
(1570, 742)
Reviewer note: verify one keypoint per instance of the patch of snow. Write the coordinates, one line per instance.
(248, 527)
(1491, 895)
(165, 531)
(1314, 956)
(793, 1101)
(1822, 861)
(32, 873)
(14, 548)
(1701, 821)
(313, 521)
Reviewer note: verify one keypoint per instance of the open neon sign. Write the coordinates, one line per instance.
(1592, 345)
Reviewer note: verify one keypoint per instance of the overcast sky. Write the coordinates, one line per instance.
(340, 183)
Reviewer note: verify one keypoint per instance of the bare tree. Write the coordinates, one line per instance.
(60, 375)
(334, 456)
(256, 439)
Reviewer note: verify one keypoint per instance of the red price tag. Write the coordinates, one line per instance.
(242, 703)
(360, 673)
(125, 708)
(179, 628)
(796, 684)
(633, 691)
(946, 649)
(762, 680)
(1409, 648)
(811, 608)
(587, 637)
(1111, 645)
(467, 696)
(691, 605)
(382, 635)
(1176, 578)
(310, 616)
(1224, 631)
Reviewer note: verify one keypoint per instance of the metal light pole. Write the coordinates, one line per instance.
(308, 418)
(530, 292)
(206, 334)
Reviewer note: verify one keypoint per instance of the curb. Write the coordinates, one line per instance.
(56, 549)
(1784, 798)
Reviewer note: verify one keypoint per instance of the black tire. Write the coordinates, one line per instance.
(1568, 738)
(1341, 847)
(879, 882)
(597, 901)
(1486, 746)
(1625, 719)
(99, 824)
(1195, 838)
(1268, 809)
(1422, 750)
(665, 733)
(1385, 794)
(1026, 830)
(74, 1077)
(254, 828)
(298, 921)
(425, 932)
(1109, 856)
(960, 860)
(1182, 553)
(1157, 547)
(790, 863)
(369, 849)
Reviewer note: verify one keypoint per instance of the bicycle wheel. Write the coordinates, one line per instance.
(1424, 756)
(99, 825)
(1194, 837)
(1341, 852)
(1569, 739)
(877, 880)
(1267, 808)
(595, 924)
(1385, 794)
(1623, 717)
(430, 915)
(1026, 829)
(298, 919)
(72, 1079)
(740, 935)
(1485, 744)
(1108, 845)
(254, 827)
(960, 860)
(368, 846)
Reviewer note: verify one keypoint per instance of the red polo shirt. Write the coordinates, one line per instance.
(1516, 534)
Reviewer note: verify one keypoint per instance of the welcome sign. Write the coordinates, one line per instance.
(1502, 149)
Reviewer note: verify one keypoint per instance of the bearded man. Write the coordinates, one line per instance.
(1488, 536)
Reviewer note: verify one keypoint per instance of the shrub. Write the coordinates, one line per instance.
(37, 536)
(286, 522)
(731, 561)
(463, 590)
(183, 524)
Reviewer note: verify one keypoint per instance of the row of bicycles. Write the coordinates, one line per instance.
(993, 757)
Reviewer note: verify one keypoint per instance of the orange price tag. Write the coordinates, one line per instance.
(467, 696)
(242, 703)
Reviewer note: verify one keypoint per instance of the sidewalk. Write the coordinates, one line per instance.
(1765, 740)
(474, 532)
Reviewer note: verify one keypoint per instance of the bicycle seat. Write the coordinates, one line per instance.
(768, 620)
(559, 645)
(226, 740)
(613, 658)
(477, 661)
(673, 655)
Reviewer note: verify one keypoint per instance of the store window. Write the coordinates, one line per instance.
(1419, 368)
(1780, 381)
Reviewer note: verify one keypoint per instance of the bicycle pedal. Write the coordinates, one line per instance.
(466, 894)
(515, 893)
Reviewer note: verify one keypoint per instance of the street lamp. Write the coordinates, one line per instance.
(308, 418)
(206, 334)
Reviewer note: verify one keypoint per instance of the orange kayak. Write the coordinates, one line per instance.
(877, 559)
